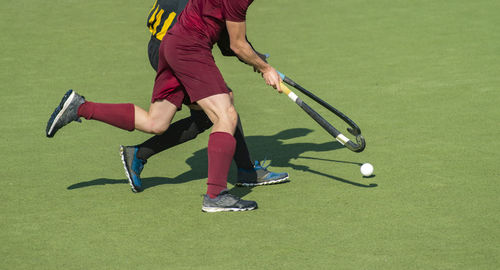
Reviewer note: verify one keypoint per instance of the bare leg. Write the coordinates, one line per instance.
(157, 119)
(221, 144)
(221, 112)
(129, 116)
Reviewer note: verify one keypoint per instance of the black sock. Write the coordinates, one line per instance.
(241, 155)
(179, 132)
(187, 129)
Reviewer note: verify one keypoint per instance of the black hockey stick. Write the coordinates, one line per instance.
(354, 129)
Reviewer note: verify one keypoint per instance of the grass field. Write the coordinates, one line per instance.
(421, 78)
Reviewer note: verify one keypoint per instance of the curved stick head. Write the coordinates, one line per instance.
(355, 131)
(361, 141)
(359, 147)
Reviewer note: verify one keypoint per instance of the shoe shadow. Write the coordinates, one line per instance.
(97, 182)
(274, 147)
(148, 182)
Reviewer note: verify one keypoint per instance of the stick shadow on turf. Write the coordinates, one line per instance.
(242, 191)
(260, 146)
(338, 178)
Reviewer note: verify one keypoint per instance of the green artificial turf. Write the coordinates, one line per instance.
(421, 79)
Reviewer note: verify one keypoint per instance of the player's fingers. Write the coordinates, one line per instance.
(276, 81)
(270, 83)
(278, 86)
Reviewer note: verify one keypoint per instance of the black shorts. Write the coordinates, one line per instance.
(154, 52)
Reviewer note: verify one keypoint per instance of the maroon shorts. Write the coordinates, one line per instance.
(186, 72)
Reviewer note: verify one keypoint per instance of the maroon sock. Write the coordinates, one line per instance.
(221, 146)
(118, 115)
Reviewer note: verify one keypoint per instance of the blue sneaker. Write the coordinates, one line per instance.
(259, 176)
(133, 166)
(65, 113)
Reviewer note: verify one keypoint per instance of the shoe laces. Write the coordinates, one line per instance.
(225, 195)
(262, 165)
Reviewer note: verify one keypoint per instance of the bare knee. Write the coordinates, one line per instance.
(231, 96)
(228, 117)
(157, 128)
(233, 115)
(158, 131)
(157, 120)
(221, 112)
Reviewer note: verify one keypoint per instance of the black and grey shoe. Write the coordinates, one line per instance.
(259, 175)
(65, 113)
(226, 202)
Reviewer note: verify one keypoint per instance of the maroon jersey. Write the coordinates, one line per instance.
(206, 19)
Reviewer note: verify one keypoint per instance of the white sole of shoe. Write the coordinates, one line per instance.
(218, 209)
(64, 108)
(277, 181)
(122, 155)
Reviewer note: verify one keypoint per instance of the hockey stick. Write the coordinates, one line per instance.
(354, 130)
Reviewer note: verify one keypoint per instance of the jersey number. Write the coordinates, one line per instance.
(155, 20)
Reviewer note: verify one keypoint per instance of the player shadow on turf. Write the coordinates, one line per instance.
(273, 147)
(294, 151)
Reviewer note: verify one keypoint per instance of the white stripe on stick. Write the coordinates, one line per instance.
(342, 139)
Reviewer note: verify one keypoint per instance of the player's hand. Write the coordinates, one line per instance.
(272, 78)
